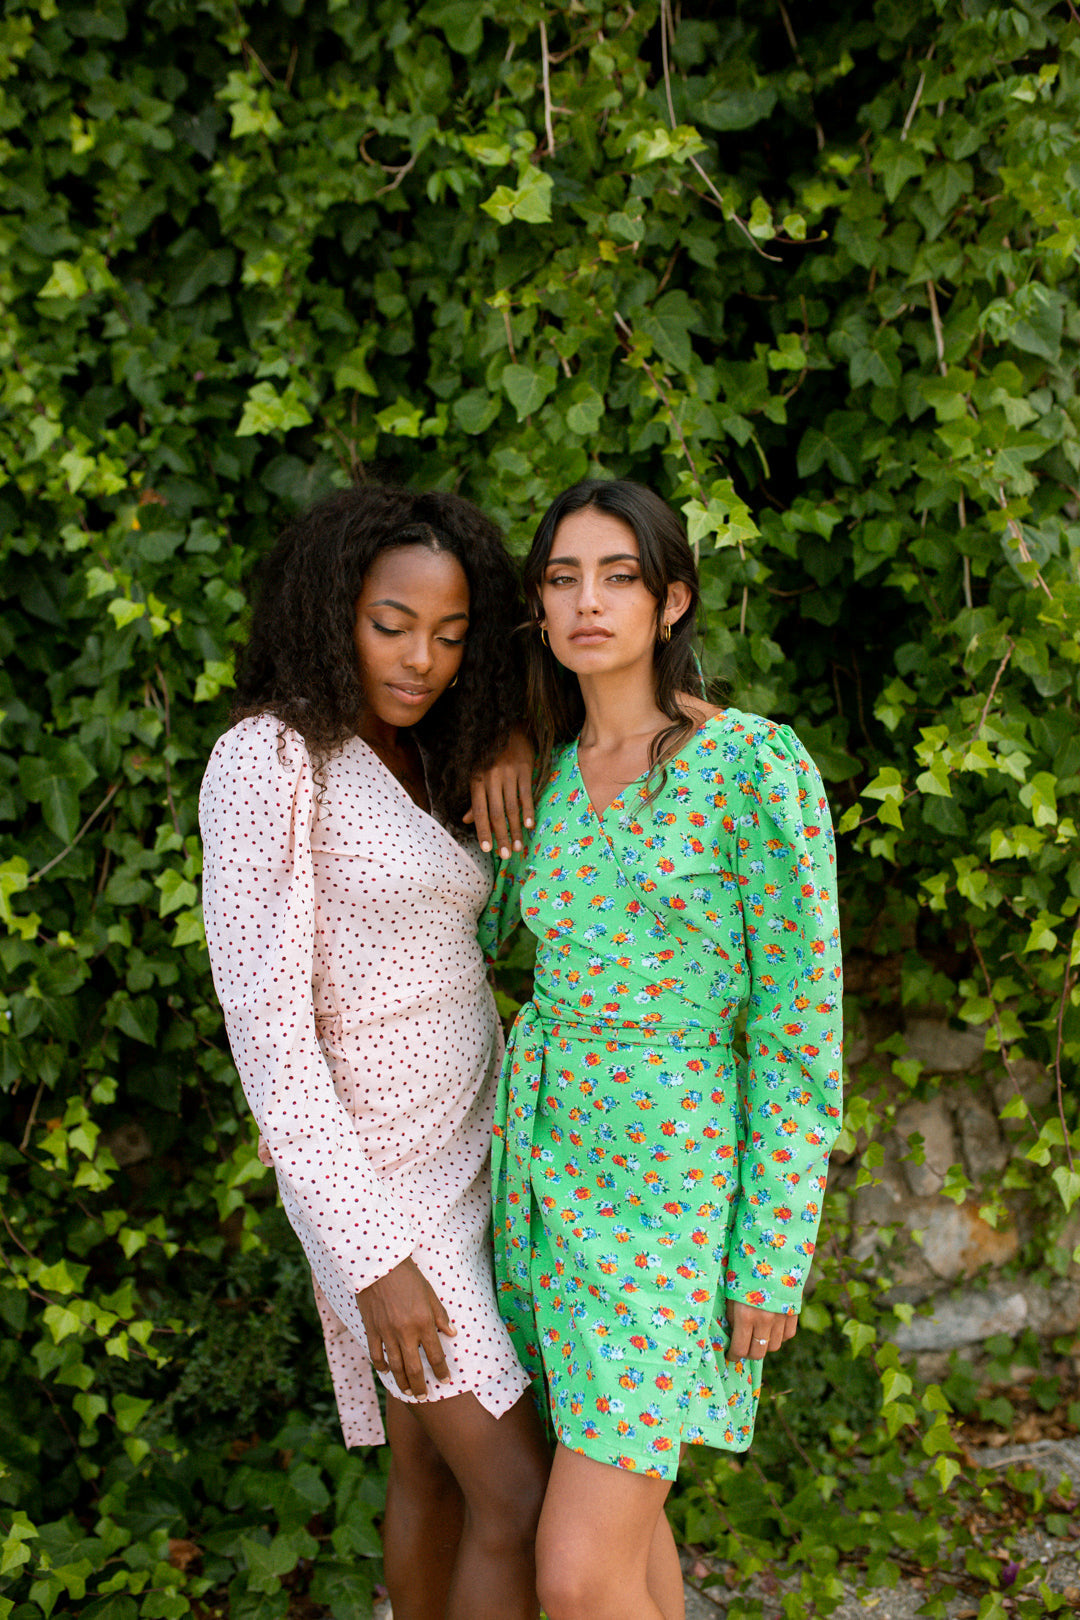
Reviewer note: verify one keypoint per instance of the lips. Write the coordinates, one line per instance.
(409, 694)
(593, 635)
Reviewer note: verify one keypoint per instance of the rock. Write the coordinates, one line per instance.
(985, 1154)
(931, 1120)
(940, 1048)
(1053, 1309)
(966, 1317)
(957, 1242)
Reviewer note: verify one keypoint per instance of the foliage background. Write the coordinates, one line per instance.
(814, 278)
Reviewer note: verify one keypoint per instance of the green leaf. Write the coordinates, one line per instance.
(267, 411)
(1067, 1183)
(860, 1334)
(527, 388)
(669, 323)
(345, 1589)
(460, 20)
(55, 779)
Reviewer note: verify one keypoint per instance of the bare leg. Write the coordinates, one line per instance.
(424, 1515)
(501, 1467)
(663, 1574)
(595, 1544)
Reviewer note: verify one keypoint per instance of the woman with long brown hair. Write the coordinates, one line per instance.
(657, 1190)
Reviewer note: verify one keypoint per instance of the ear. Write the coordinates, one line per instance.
(676, 602)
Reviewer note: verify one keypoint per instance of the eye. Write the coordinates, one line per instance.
(384, 629)
(449, 641)
(623, 578)
(559, 579)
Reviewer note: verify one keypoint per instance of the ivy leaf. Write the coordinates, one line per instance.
(54, 779)
(669, 323)
(267, 411)
(527, 387)
(462, 21)
(1067, 1183)
(344, 1588)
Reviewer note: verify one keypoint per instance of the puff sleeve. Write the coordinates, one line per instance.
(255, 812)
(790, 1081)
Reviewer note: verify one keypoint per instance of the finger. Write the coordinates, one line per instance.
(524, 788)
(791, 1327)
(479, 812)
(414, 1373)
(739, 1343)
(436, 1355)
(376, 1348)
(499, 821)
(513, 814)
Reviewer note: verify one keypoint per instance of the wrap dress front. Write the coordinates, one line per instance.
(342, 925)
(645, 1169)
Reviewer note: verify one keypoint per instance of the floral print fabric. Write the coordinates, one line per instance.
(644, 1171)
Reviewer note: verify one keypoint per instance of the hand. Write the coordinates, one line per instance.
(502, 796)
(403, 1315)
(755, 1332)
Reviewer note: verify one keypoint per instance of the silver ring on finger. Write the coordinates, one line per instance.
(761, 1341)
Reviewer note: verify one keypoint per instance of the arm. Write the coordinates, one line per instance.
(258, 892)
(790, 1083)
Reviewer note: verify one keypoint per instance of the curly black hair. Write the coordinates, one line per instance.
(299, 662)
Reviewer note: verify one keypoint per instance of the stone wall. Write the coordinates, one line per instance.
(934, 1251)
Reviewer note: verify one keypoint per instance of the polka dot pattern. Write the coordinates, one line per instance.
(341, 922)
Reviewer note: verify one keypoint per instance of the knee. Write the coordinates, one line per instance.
(506, 1519)
(568, 1590)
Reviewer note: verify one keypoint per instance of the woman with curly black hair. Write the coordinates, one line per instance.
(341, 916)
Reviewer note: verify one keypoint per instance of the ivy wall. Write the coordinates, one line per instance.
(810, 273)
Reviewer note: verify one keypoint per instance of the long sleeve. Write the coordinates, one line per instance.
(502, 913)
(255, 811)
(789, 1084)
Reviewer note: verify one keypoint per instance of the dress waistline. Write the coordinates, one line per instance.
(560, 1022)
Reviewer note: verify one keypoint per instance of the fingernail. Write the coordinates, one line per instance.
(485, 846)
(528, 822)
(505, 853)
(517, 843)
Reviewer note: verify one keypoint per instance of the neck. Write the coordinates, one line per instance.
(377, 733)
(618, 707)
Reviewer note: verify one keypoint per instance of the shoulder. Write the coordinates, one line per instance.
(259, 754)
(769, 762)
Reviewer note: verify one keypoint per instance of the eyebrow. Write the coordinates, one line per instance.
(386, 601)
(574, 562)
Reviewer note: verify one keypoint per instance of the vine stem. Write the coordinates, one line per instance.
(628, 332)
(667, 24)
(1005, 1058)
(1021, 544)
(83, 830)
(545, 57)
(994, 685)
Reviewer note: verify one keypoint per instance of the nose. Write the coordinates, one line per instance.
(588, 595)
(418, 654)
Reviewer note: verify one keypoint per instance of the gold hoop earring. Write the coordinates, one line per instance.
(544, 639)
(665, 632)
(452, 683)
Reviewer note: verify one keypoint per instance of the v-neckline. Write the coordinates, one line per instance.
(639, 778)
(404, 793)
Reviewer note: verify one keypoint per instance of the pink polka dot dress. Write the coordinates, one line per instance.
(341, 921)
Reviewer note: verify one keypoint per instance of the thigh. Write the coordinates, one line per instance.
(598, 1515)
(494, 1460)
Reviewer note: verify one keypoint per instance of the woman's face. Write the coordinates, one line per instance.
(411, 619)
(598, 615)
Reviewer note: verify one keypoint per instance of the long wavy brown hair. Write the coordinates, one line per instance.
(555, 700)
(300, 662)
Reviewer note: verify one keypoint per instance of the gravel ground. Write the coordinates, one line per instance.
(1057, 1562)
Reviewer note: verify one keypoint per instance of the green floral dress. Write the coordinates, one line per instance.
(645, 1172)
